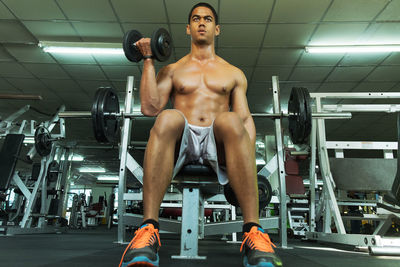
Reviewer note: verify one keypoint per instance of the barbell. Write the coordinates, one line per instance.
(106, 115)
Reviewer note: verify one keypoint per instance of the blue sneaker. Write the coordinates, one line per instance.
(257, 249)
(142, 251)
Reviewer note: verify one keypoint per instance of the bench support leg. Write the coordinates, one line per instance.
(191, 212)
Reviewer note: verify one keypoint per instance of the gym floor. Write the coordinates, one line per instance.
(96, 247)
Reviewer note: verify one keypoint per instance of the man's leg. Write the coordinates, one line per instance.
(159, 160)
(240, 161)
(229, 132)
(158, 167)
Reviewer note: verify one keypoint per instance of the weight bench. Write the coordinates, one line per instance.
(194, 181)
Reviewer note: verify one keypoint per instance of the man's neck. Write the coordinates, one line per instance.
(202, 52)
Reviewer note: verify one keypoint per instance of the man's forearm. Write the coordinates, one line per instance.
(149, 95)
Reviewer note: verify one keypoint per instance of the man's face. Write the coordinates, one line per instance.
(202, 26)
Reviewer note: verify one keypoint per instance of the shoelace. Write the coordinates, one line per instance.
(143, 237)
(258, 240)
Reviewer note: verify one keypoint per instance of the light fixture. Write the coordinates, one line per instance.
(29, 140)
(107, 178)
(71, 157)
(81, 48)
(74, 157)
(92, 169)
(260, 162)
(353, 48)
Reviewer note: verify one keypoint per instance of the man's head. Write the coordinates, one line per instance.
(207, 6)
(203, 24)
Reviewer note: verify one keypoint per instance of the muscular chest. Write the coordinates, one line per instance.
(189, 79)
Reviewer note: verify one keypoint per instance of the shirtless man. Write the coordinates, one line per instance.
(210, 124)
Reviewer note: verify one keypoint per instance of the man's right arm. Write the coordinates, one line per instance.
(154, 91)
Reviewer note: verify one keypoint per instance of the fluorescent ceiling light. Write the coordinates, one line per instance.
(81, 48)
(92, 169)
(74, 157)
(71, 157)
(352, 49)
(107, 178)
(260, 162)
(29, 140)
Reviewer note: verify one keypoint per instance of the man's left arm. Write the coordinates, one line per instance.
(241, 107)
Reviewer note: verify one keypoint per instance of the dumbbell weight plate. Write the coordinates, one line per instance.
(43, 143)
(161, 44)
(131, 52)
(109, 125)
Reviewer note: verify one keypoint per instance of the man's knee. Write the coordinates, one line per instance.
(169, 123)
(229, 124)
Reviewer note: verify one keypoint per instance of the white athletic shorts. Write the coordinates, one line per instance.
(198, 146)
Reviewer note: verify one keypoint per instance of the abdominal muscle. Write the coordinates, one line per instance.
(201, 109)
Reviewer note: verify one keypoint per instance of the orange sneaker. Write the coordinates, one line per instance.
(257, 249)
(143, 249)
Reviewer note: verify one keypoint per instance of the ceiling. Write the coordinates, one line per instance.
(263, 38)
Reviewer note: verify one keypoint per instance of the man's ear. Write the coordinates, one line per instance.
(217, 30)
(188, 29)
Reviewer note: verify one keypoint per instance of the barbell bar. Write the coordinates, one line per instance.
(315, 115)
(106, 117)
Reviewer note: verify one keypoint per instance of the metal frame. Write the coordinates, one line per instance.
(40, 186)
(281, 164)
(328, 204)
(125, 140)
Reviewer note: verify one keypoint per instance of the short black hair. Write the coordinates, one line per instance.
(207, 6)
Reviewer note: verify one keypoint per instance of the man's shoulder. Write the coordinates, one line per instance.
(228, 65)
(177, 64)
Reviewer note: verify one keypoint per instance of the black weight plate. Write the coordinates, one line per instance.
(297, 115)
(264, 191)
(97, 126)
(109, 124)
(52, 171)
(230, 195)
(308, 114)
(131, 53)
(43, 144)
(161, 44)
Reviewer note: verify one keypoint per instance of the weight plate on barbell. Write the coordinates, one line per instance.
(43, 143)
(298, 116)
(131, 52)
(308, 113)
(97, 129)
(107, 124)
(161, 44)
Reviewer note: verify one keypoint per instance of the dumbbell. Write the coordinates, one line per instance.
(161, 45)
